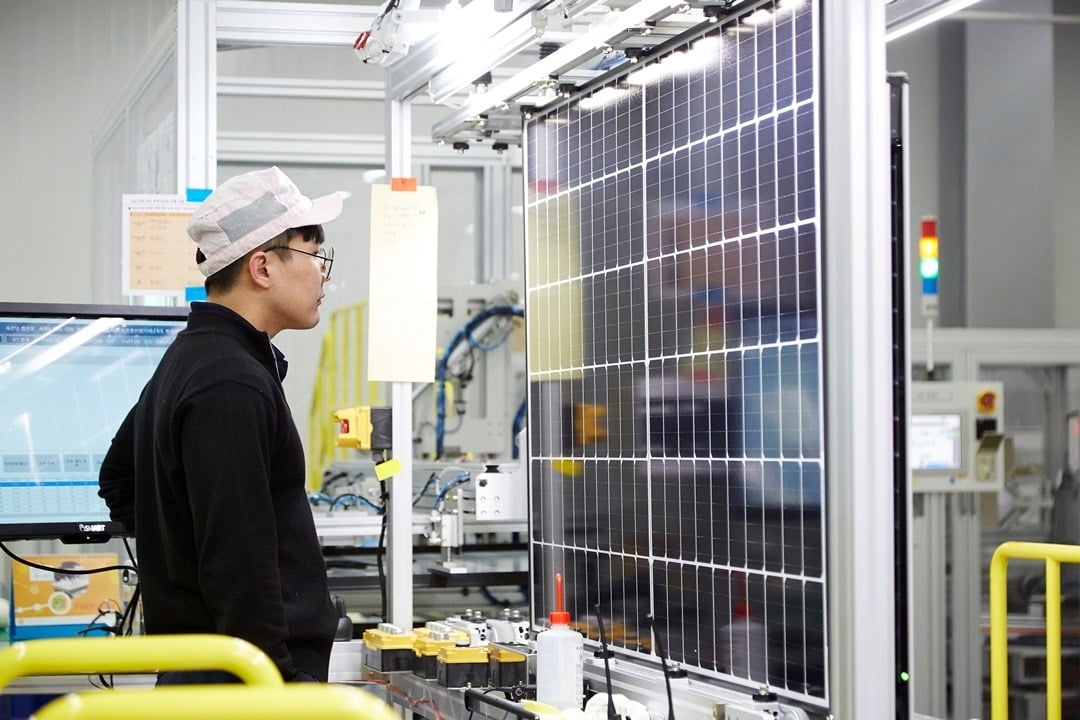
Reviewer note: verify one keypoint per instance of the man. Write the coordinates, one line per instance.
(207, 470)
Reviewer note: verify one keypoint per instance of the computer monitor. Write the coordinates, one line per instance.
(68, 376)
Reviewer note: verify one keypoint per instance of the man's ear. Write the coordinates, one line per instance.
(258, 268)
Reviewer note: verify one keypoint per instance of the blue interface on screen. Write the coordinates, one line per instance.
(66, 383)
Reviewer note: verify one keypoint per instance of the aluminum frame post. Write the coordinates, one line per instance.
(196, 94)
(399, 540)
(858, 348)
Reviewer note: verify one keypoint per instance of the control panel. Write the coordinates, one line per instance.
(955, 434)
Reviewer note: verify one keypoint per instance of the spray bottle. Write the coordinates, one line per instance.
(559, 659)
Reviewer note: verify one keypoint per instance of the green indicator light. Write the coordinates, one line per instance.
(928, 268)
(904, 677)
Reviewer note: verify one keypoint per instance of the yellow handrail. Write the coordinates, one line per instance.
(141, 654)
(222, 702)
(1053, 555)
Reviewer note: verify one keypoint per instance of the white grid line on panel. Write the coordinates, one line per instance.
(720, 352)
(563, 191)
(736, 569)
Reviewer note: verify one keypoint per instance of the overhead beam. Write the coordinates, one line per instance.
(252, 23)
(474, 32)
(567, 56)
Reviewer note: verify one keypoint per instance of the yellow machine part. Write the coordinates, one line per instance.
(426, 646)
(376, 639)
(354, 428)
(504, 655)
(453, 655)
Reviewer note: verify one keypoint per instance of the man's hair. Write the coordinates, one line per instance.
(225, 278)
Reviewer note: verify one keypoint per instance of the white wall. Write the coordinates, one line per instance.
(1010, 170)
(995, 108)
(61, 62)
(1067, 168)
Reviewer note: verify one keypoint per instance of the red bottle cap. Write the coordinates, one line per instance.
(559, 616)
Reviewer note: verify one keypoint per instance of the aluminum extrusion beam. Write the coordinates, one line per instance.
(858, 351)
(251, 23)
(399, 536)
(567, 56)
(196, 95)
(411, 74)
(323, 149)
(294, 88)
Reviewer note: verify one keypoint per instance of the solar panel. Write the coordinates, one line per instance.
(674, 355)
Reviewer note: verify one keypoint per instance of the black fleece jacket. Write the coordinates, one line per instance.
(207, 472)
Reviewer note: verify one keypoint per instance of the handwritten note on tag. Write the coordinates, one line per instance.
(158, 256)
(403, 279)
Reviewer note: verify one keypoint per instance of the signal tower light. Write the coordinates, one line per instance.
(928, 256)
(929, 266)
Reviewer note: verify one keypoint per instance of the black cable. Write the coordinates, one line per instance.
(663, 666)
(380, 550)
(128, 618)
(131, 555)
(466, 376)
(126, 626)
(332, 478)
(64, 571)
(490, 597)
(93, 624)
(107, 607)
(611, 713)
(430, 481)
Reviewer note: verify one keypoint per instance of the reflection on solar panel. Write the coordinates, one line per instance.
(674, 355)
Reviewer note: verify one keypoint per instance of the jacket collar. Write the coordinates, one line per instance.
(214, 317)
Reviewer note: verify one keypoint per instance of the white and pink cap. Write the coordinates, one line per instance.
(248, 210)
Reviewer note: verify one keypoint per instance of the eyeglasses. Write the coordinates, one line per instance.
(326, 255)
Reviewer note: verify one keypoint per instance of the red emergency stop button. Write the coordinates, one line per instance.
(986, 401)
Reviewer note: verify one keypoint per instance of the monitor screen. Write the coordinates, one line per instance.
(68, 376)
(936, 442)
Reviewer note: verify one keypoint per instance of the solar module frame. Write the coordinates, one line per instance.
(673, 311)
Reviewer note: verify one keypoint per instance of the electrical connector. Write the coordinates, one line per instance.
(364, 428)
(354, 428)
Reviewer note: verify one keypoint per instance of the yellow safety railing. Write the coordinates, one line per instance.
(1053, 555)
(222, 702)
(339, 383)
(142, 654)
